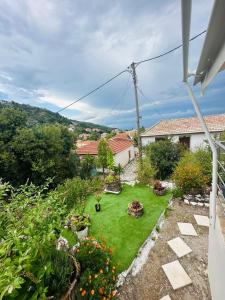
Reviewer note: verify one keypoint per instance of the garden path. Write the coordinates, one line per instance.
(152, 283)
(129, 173)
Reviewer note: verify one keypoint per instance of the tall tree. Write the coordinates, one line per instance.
(104, 155)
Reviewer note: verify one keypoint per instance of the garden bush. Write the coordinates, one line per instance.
(28, 254)
(98, 276)
(164, 156)
(74, 191)
(189, 176)
(145, 171)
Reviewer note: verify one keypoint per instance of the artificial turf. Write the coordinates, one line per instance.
(123, 233)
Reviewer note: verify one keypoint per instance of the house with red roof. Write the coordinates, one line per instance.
(185, 130)
(122, 147)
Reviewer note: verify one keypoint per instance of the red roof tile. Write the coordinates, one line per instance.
(116, 144)
(215, 123)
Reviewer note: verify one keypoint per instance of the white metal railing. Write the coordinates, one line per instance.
(221, 168)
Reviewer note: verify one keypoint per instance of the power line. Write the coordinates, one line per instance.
(148, 101)
(127, 70)
(94, 90)
(168, 52)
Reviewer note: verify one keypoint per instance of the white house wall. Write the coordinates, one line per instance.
(147, 140)
(122, 157)
(197, 140)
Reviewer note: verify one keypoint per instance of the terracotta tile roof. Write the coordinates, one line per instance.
(122, 135)
(116, 144)
(215, 123)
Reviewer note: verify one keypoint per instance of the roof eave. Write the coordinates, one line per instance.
(213, 52)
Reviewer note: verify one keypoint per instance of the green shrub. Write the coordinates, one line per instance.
(98, 276)
(204, 158)
(75, 191)
(145, 171)
(188, 175)
(28, 242)
(111, 178)
(87, 164)
(61, 271)
(177, 192)
(164, 156)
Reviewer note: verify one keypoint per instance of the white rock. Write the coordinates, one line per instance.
(193, 203)
(176, 274)
(179, 247)
(186, 229)
(186, 201)
(200, 204)
(206, 204)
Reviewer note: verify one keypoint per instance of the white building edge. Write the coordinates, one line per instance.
(212, 61)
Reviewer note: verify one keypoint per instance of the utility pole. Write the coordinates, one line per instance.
(134, 76)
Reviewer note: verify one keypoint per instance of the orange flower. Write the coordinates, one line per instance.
(104, 298)
(100, 291)
(92, 292)
(83, 293)
(114, 293)
(101, 271)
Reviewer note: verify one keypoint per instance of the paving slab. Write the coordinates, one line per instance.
(187, 229)
(179, 247)
(167, 297)
(202, 220)
(176, 275)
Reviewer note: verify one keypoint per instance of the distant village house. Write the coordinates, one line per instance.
(187, 131)
(121, 145)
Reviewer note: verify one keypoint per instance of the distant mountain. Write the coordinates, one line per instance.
(37, 115)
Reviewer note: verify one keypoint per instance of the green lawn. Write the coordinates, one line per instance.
(123, 233)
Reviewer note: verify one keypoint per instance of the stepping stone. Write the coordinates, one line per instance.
(202, 220)
(179, 247)
(167, 297)
(176, 275)
(187, 229)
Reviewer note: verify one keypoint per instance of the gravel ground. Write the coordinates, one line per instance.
(129, 173)
(151, 282)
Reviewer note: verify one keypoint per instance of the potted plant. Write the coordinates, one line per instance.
(158, 189)
(135, 209)
(79, 224)
(65, 270)
(112, 184)
(98, 198)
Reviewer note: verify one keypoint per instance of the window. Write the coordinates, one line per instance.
(185, 140)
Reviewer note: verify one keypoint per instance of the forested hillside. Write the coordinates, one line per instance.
(36, 115)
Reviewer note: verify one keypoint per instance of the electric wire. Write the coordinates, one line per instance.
(169, 51)
(148, 101)
(93, 91)
(127, 70)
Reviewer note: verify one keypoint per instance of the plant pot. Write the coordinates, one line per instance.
(97, 207)
(82, 234)
(160, 192)
(114, 186)
(70, 293)
(135, 212)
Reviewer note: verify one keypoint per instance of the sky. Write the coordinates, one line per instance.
(53, 52)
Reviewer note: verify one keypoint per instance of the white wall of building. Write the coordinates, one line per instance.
(197, 140)
(122, 157)
(147, 140)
